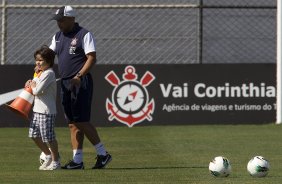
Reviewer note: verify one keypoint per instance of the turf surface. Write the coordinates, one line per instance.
(151, 154)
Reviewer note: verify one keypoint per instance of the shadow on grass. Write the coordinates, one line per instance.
(168, 167)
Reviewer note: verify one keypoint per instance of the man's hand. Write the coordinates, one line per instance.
(75, 82)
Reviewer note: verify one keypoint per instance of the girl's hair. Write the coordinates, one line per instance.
(46, 53)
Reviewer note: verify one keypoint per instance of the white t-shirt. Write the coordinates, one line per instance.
(45, 93)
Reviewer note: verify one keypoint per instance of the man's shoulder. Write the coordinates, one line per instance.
(84, 31)
(81, 29)
(58, 34)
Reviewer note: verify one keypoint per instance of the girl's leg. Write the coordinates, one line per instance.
(41, 145)
(54, 150)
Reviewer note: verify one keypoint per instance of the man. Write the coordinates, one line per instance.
(75, 49)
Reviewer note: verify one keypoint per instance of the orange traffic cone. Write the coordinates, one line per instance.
(23, 103)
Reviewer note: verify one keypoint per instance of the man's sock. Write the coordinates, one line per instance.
(100, 149)
(77, 156)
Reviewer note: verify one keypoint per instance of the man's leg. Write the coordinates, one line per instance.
(90, 132)
(103, 157)
(77, 138)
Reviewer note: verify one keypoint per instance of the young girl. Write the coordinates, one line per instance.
(44, 88)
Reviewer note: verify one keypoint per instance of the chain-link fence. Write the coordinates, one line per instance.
(155, 32)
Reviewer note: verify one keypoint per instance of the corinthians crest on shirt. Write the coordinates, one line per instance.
(130, 103)
(73, 46)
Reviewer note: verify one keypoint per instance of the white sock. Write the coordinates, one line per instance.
(77, 156)
(100, 149)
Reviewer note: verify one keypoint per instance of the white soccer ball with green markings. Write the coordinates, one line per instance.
(258, 166)
(220, 167)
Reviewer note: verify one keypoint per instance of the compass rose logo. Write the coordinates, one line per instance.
(130, 103)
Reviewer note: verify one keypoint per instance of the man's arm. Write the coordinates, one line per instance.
(53, 44)
(90, 52)
(91, 60)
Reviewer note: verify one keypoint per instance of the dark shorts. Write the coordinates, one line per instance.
(77, 101)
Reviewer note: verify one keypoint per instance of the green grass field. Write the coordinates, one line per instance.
(156, 154)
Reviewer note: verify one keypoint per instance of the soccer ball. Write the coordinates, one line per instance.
(258, 166)
(220, 167)
(42, 158)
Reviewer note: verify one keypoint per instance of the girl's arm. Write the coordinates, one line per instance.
(42, 83)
